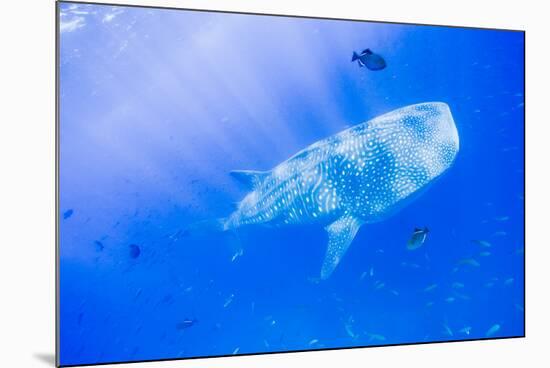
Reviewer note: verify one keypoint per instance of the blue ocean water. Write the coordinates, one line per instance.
(157, 107)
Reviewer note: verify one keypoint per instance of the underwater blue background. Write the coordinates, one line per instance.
(158, 106)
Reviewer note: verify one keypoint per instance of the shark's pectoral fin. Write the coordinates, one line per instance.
(340, 235)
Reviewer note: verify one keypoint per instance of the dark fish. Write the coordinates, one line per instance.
(67, 214)
(369, 59)
(418, 238)
(134, 251)
(186, 323)
(483, 243)
(98, 245)
(168, 299)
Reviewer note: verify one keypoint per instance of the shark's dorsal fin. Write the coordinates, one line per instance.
(340, 235)
(249, 178)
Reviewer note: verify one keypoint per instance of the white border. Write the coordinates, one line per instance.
(27, 189)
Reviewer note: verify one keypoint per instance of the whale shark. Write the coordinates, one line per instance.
(358, 176)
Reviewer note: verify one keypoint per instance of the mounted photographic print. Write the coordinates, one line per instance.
(233, 184)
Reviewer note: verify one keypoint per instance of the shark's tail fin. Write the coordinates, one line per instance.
(355, 56)
(205, 227)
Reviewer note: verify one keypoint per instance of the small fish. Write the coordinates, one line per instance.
(484, 254)
(228, 300)
(369, 59)
(349, 331)
(450, 299)
(363, 275)
(457, 285)
(469, 262)
(371, 272)
(313, 342)
(168, 299)
(98, 245)
(134, 251)
(185, 324)
(67, 214)
(175, 236)
(394, 292)
(448, 330)
(509, 281)
(379, 285)
(314, 280)
(430, 287)
(461, 296)
(376, 337)
(500, 233)
(418, 238)
(519, 307)
(483, 243)
(502, 218)
(493, 330)
(237, 254)
(429, 304)
(466, 330)
(236, 351)
(411, 265)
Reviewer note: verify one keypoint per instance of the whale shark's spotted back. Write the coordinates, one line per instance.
(360, 175)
